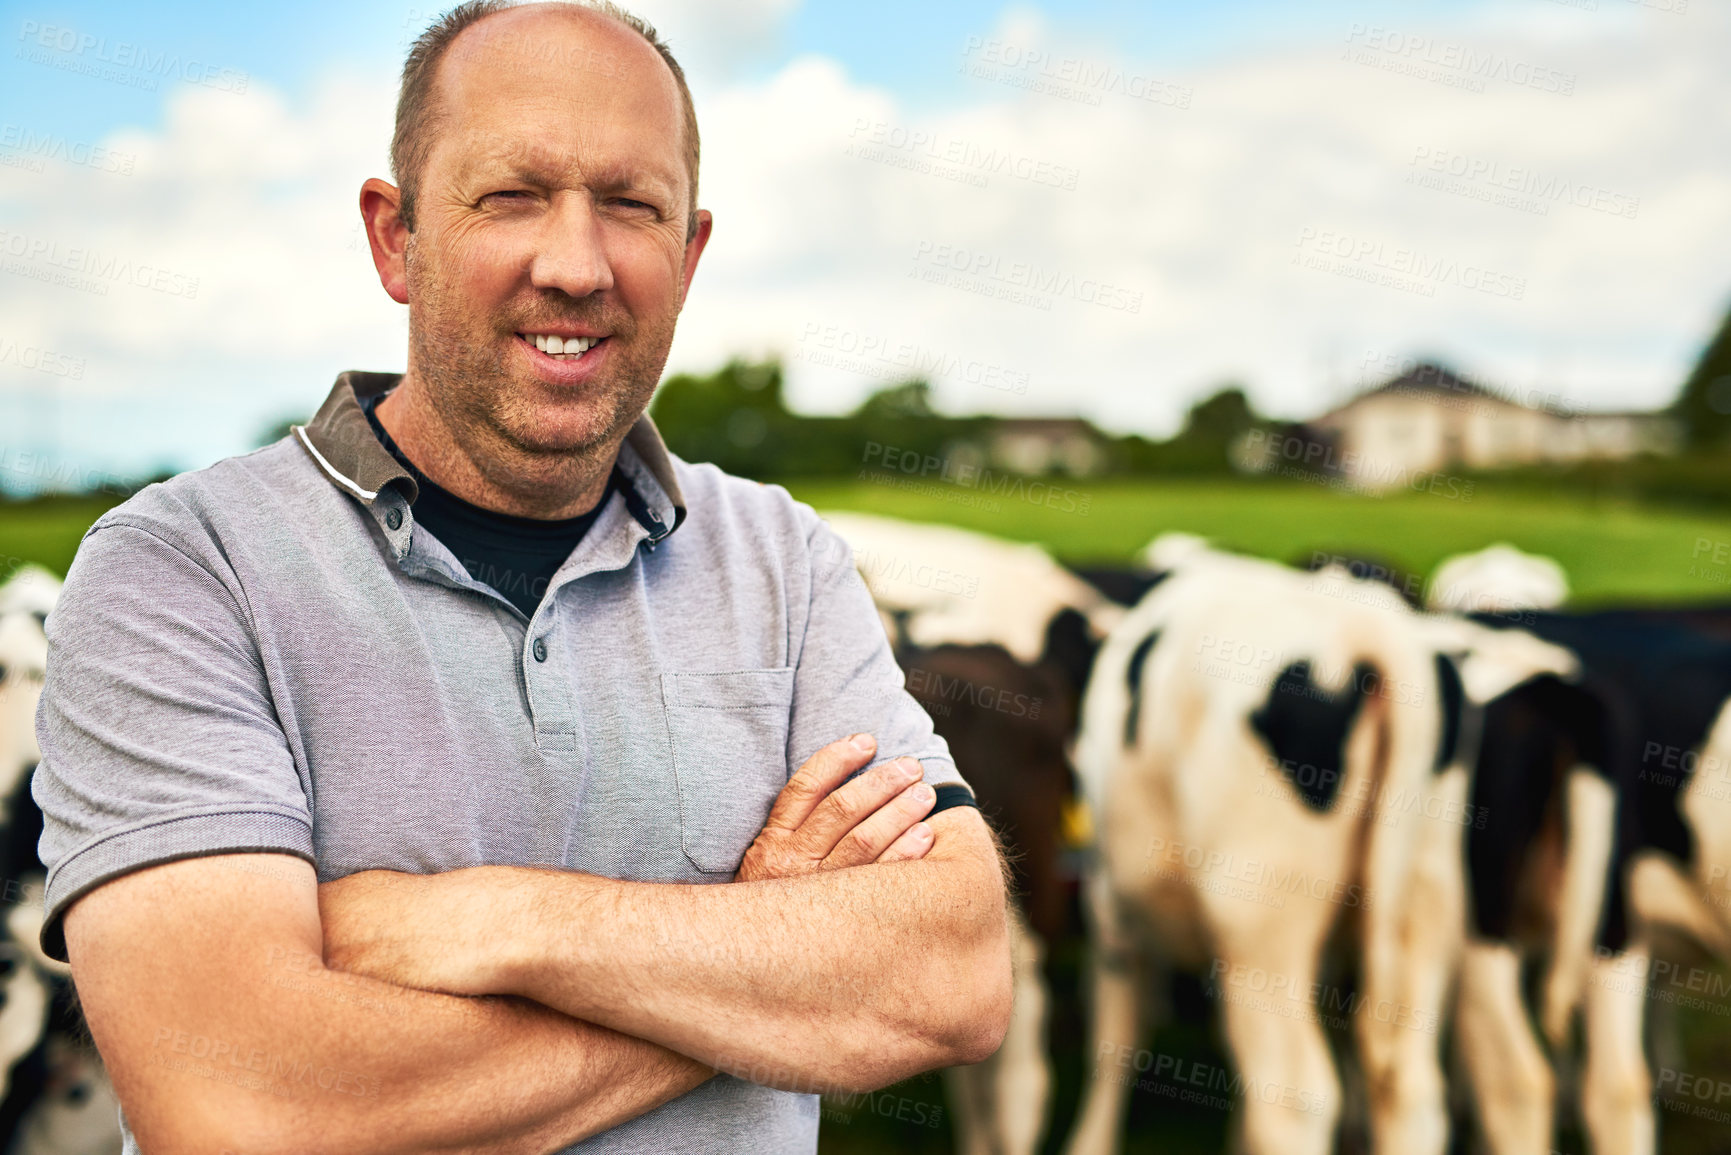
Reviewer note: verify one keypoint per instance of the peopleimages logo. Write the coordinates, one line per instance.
(88, 269)
(93, 55)
(1514, 186)
(890, 460)
(1410, 265)
(884, 357)
(1453, 63)
(40, 359)
(47, 146)
(1019, 281)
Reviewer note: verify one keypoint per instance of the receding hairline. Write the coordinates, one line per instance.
(579, 10)
(422, 105)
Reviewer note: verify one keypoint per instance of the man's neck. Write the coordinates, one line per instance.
(514, 483)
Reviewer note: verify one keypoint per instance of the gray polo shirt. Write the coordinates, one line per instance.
(266, 655)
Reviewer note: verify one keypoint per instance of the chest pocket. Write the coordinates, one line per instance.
(729, 738)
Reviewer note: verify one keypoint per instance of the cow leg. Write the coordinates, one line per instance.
(1398, 1023)
(24, 1000)
(1115, 977)
(1616, 1092)
(1000, 1104)
(1291, 1089)
(969, 1092)
(1511, 1078)
(1024, 1076)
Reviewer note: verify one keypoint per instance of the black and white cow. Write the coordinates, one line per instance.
(995, 640)
(54, 1096)
(1609, 797)
(1271, 755)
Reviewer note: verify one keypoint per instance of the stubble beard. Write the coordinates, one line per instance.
(460, 359)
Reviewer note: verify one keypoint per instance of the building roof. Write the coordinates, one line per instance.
(1429, 380)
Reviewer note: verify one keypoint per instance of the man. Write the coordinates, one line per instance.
(518, 684)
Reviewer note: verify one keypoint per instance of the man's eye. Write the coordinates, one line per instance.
(511, 194)
(631, 204)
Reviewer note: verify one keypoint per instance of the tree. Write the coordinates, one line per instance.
(909, 399)
(1704, 406)
(1220, 418)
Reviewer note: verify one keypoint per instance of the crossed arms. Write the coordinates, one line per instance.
(240, 1006)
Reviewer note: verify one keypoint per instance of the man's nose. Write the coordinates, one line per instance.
(572, 253)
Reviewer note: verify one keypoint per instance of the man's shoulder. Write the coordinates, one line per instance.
(737, 510)
(192, 509)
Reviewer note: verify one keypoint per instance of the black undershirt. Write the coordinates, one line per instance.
(515, 555)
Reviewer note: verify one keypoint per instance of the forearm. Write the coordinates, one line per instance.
(398, 1070)
(221, 1026)
(843, 979)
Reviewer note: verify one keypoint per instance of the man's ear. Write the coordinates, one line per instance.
(381, 213)
(694, 249)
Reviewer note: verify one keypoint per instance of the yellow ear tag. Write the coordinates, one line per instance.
(1077, 825)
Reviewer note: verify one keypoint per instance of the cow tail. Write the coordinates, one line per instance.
(1404, 712)
(1590, 810)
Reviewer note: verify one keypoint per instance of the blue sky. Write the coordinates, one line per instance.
(1301, 132)
(908, 46)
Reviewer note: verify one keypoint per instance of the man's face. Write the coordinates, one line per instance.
(553, 204)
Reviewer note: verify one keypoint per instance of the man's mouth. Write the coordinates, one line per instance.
(561, 348)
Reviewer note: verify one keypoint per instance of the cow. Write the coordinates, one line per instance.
(1270, 756)
(26, 599)
(1228, 670)
(995, 639)
(1610, 799)
(1610, 795)
(1008, 725)
(941, 585)
(55, 1098)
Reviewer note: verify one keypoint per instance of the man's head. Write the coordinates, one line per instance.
(417, 100)
(547, 160)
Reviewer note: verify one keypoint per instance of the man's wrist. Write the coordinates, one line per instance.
(525, 924)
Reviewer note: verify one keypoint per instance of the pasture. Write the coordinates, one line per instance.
(1612, 551)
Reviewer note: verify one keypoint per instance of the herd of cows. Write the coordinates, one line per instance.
(1507, 816)
(57, 1100)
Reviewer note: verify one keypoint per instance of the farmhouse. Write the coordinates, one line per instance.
(1428, 419)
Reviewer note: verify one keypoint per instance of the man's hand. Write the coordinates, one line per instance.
(815, 826)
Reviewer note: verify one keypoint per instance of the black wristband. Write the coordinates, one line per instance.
(951, 795)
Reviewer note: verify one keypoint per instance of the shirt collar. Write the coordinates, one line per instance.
(341, 442)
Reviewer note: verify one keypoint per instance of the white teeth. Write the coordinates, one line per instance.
(563, 346)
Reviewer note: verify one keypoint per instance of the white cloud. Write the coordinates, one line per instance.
(714, 39)
(1199, 210)
(1202, 209)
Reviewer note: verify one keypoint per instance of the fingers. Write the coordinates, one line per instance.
(872, 837)
(815, 780)
(911, 846)
(848, 806)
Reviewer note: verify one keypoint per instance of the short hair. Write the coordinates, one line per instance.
(417, 110)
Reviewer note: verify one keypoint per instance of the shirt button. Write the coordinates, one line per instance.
(540, 649)
(394, 519)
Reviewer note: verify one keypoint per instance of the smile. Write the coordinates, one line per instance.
(562, 348)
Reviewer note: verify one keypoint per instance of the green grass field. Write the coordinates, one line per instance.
(1611, 551)
(46, 532)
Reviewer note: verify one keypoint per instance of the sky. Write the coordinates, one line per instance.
(1101, 207)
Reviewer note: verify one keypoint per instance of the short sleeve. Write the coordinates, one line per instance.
(158, 734)
(847, 680)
